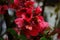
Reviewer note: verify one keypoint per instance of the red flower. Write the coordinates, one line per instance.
(28, 15)
(25, 13)
(33, 32)
(3, 9)
(14, 6)
(16, 2)
(20, 12)
(38, 10)
(33, 29)
(30, 10)
(19, 3)
(29, 3)
(34, 24)
(19, 22)
(43, 25)
(40, 18)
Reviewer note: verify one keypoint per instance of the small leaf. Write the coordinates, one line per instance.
(13, 32)
(51, 14)
(23, 37)
(11, 1)
(57, 9)
(43, 38)
(1, 39)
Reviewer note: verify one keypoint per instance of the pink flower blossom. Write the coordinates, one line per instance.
(38, 10)
(21, 12)
(28, 15)
(40, 18)
(16, 2)
(29, 3)
(19, 22)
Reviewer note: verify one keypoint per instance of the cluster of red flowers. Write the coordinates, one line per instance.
(29, 19)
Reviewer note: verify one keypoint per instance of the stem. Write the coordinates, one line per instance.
(7, 20)
(43, 7)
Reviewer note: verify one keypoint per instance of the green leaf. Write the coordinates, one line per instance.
(56, 10)
(43, 38)
(1, 39)
(13, 32)
(11, 1)
(23, 37)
